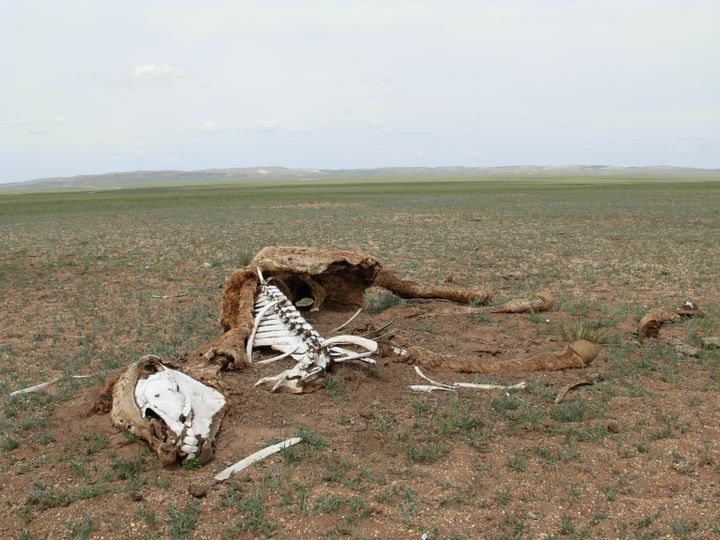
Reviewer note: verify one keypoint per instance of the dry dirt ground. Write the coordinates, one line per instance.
(636, 455)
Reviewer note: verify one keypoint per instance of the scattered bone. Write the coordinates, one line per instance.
(166, 296)
(690, 309)
(253, 458)
(40, 386)
(576, 355)
(542, 301)
(351, 319)
(582, 382)
(429, 388)
(454, 386)
(378, 330)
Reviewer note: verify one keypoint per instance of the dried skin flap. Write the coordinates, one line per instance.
(334, 277)
(652, 321)
(543, 301)
(577, 355)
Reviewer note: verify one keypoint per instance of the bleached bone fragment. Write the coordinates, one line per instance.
(279, 325)
(253, 458)
(343, 325)
(519, 386)
(454, 386)
(429, 388)
(38, 387)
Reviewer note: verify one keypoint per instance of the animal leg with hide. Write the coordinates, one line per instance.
(576, 355)
(542, 301)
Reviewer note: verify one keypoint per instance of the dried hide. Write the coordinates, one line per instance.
(576, 355)
(313, 277)
(340, 278)
(649, 326)
(177, 415)
(542, 301)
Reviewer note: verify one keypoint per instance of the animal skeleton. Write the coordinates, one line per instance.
(278, 324)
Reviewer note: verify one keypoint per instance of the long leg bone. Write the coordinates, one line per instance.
(257, 456)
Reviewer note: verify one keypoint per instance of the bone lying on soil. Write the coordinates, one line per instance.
(257, 456)
(40, 386)
(454, 386)
(351, 319)
(582, 382)
(411, 288)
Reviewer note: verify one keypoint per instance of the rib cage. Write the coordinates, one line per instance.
(279, 325)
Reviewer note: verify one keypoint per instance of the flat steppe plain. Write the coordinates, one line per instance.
(635, 455)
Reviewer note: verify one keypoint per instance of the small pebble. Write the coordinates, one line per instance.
(197, 490)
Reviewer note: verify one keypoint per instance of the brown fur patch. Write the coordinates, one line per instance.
(102, 400)
(542, 301)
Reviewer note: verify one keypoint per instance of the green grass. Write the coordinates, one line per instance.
(183, 520)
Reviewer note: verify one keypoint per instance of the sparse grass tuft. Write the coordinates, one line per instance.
(583, 330)
(183, 521)
(380, 302)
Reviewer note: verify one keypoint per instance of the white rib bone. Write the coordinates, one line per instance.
(258, 319)
(429, 388)
(351, 319)
(276, 358)
(279, 325)
(434, 383)
(437, 385)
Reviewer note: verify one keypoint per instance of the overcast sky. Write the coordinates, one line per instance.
(98, 86)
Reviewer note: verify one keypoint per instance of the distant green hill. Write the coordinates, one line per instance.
(119, 180)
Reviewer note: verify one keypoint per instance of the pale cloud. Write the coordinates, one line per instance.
(267, 125)
(157, 72)
(211, 127)
(378, 82)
